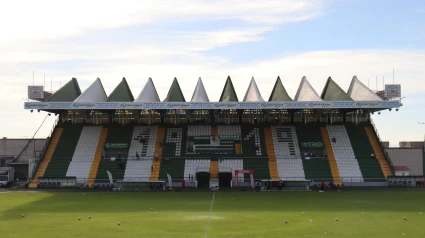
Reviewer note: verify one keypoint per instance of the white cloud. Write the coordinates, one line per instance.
(48, 19)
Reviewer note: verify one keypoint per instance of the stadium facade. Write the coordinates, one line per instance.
(133, 142)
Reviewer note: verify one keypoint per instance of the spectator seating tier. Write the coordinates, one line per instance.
(371, 170)
(58, 166)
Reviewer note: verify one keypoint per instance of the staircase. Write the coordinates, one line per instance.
(386, 169)
(214, 169)
(331, 157)
(97, 157)
(47, 158)
(157, 163)
(274, 173)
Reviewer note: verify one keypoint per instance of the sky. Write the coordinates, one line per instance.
(186, 39)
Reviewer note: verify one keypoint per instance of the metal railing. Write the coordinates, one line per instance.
(71, 182)
(46, 145)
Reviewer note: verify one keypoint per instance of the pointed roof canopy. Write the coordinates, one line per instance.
(359, 92)
(148, 93)
(333, 92)
(175, 94)
(279, 92)
(306, 92)
(68, 93)
(94, 93)
(121, 93)
(200, 95)
(229, 93)
(252, 93)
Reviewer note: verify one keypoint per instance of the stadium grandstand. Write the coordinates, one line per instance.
(120, 141)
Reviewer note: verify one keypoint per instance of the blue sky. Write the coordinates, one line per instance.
(212, 39)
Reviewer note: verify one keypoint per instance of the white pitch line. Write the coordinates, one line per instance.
(209, 217)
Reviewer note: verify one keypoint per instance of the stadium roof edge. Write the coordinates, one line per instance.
(148, 93)
(333, 92)
(279, 92)
(175, 93)
(121, 93)
(228, 94)
(67, 93)
(200, 94)
(94, 93)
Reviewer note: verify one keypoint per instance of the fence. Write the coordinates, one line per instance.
(70, 182)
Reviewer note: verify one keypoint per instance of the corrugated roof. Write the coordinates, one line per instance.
(252, 93)
(306, 92)
(68, 93)
(148, 93)
(279, 92)
(333, 92)
(94, 93)
(175, 93)
(229, 93)
(200, 95)
(359, 92)
(121, 93)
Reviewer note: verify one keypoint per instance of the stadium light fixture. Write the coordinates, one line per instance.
(396, 109)
(49, 114)
(31, 111)
(379, 113)
(390, 109)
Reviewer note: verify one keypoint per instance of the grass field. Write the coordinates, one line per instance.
(241, 214)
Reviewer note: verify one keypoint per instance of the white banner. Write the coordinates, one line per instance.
(170, 181)
(392, 90)
(35, 92)
(111, 180)
(210, 106)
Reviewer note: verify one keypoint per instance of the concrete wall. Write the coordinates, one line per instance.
(12, 148)
(412, 144)
(412, 158)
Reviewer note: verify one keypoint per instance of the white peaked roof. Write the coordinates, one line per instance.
(359, 92)
(200, 95)
(94, 93)
(253, 94)
(148, 93)
(306, 92)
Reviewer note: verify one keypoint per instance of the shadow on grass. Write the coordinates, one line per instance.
(133, 202)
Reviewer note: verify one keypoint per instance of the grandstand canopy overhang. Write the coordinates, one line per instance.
(70, 97)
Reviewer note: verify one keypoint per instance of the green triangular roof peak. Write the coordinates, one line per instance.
(175, 93)
(279, 92)
(68, 93)
(121, 93)
(229, 93)
(333, 92)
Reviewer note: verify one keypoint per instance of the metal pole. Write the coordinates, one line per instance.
(376, 82)
(393, 75)
(51, 84)
(32, 77)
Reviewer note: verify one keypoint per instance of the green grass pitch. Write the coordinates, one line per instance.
(241, 214)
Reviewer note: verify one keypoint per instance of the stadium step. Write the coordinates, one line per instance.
(214, 131)
(379, 154)
(214, 169)
(97, 157)
(274, 173)
(156, 163)
(47, 158)
(331, 157)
